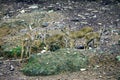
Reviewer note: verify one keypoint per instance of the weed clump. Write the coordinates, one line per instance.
(14, 52)
(60, 61)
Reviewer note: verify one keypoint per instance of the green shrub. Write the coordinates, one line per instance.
(118, 32)
(15, 52)
(54, 47)
(118, 58)
(119, 42)
(50, 63)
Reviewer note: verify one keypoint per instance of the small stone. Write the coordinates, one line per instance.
(75, 20)
(89, 9)
(12, 68)
(76, 79)
(94, 16)
(1, 58)
(22, 11)
(79, 47)
(33, 7)
(22, 78)
(84, 22)
(83, 17)
(83, 69)
(1, 62)
(43, 51)
(90, 48)
(87, 14)
(97, 66)
(100, 76)
(37, 79)
(95, 11)
(45, 24)
(50, 11)
(1, 74)
(99, 23)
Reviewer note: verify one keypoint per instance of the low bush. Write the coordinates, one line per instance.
(54, 47)
(119, 42)
(15, 52)
(50, 63)
(118, 58)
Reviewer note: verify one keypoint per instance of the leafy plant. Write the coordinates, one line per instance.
(54, 47)
(56, 62)
(118, 32)
(118, 58)
(119, 41)
(15, 52)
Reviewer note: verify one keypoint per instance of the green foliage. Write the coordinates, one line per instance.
(54, 47)
(118, 58)
(15, 52)
(50, 63)
(119, 32)
(40, 47)
(119, 42)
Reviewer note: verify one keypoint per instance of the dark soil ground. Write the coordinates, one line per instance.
(102, 66)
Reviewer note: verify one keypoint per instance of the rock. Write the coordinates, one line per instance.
(33, 7)
(83, 17)
(89, 9)
(50, 11)
(95, 11)
(84, 22)
(1, 74)
(1, 62)
(100, 76)
(22, 11)
(22, 78)
(12, 68)
(94, 16)
(90, 47)
(83, 69)
(45, 24)
(57, 9)
(37, 79)
(1, 58)
(43, 51)
(75, 20)
(76, 79)
(79, 47)
(99, 23)
(87, 14)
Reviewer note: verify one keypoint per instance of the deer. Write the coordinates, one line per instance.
(73, 35)
(29, 40)
(93, 38)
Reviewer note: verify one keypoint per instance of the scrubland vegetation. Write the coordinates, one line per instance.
(50, 42)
